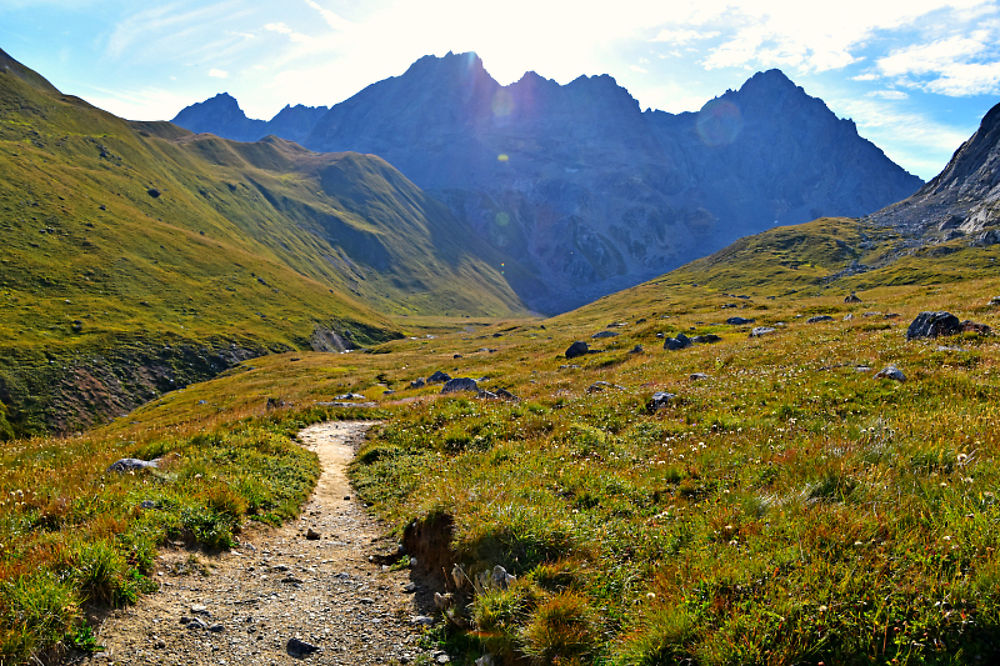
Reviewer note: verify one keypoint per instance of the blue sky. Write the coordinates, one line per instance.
(916, 76)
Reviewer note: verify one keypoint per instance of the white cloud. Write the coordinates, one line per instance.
(217, 73)
(332, 18)
(957, 66)
(683, 36)
(888, 94)
(924, 147)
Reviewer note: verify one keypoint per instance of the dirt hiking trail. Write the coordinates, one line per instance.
(283, 596)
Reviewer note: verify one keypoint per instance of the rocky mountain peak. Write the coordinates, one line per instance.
(963, 201)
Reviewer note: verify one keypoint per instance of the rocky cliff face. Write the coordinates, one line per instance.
(584, 193)
(963, 201)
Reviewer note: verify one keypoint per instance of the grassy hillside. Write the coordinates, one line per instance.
(140, 245)
(786, 506)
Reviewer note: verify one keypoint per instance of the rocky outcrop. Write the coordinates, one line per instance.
(963, 201)
(583, 192)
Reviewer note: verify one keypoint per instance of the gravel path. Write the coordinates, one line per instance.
(244, 607)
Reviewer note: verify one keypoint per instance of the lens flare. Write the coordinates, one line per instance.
(719, 123)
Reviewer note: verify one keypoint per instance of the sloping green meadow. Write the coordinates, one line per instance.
(786, 507)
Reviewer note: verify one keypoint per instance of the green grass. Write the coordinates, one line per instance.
(256, 245)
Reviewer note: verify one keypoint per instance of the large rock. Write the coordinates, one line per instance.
(458, 384)
(132, 465)
(438, 377)
(680, 342)
(659, 400)
(933, 324)
(578, 348)
(760, 331)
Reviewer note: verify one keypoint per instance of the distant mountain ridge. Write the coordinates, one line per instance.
(579, 187)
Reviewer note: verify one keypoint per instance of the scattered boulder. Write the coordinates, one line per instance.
(848, 317)
(153, 192)
(994, 301)
(708, 338)
(132, 465)
(973, 327)
(852, 298)
(759, 331)
(438, 377)
(486, 395)
(300, 649)
(578, 348)
(418, 383)
(891, 372)
(698, 376)
(597, 387)
(457, 384)
(637, 350)
(312, 535)
(660, 400)
(819, 318)
(680, 342)
(501, 578)
(933, 324)
(739, 321)
(605, 334)
(504, 394)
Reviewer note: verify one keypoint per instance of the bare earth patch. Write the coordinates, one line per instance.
(243, 607)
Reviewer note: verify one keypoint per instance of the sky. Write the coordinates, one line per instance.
(915, 76)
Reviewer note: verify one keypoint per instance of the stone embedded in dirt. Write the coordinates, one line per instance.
(637, 350)
(388, 392)
(456, 384)
(739, 321)
(599, 386)
(994, 301)
(422, 620)
(438, 377)
(410, 587)
(852, 298)
(312, 534)
(933, 324)
(660, 400)
(698, 376)
(759, 331)
(299, 648)
(132, 465)
(974, 327)
(819, 318)
(217, 628)
(504, 394)
(418, 383)
(891, 372)
(578, 348)
(196, 623)
(486, 395)
(708, 338)
(848, 317)
(200, 609)
(604, 334)
(680, 342)
(501, 578)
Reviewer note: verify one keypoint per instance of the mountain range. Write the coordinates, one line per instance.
(575, 186)
(139, 257)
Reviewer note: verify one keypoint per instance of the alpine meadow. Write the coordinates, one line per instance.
(455, 371)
